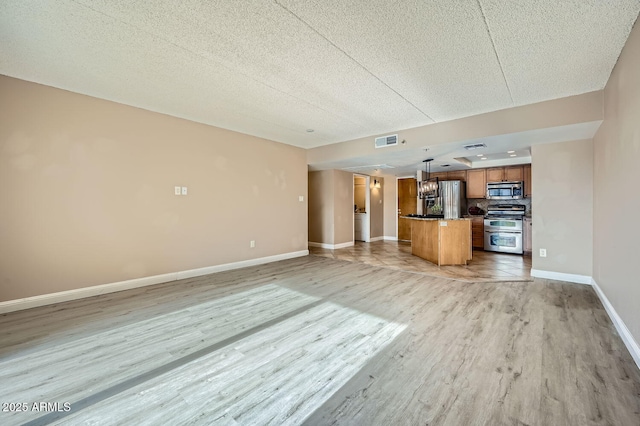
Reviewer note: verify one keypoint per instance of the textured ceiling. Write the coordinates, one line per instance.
(346, 69)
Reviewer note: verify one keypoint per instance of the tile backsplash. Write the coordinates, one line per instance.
(483, 203)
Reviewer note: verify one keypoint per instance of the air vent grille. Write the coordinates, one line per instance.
(475, 146)
(384, 141)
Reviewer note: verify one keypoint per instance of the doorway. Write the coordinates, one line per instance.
(361, 208)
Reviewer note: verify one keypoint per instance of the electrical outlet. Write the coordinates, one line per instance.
(177, 190)
(252, 243)
(301, 198)
(184, 190)
(543, 252)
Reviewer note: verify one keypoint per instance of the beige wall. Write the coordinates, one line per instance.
(321, 207)
(343, 207)
(377, 208)
(390, 207)
(88, 193)
(616, 199)
(330, 207)
(562, 205)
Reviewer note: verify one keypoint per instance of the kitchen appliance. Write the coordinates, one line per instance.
(449, 204)
(503, 228)
(505, 190)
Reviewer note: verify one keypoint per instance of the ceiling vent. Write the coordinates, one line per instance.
(474, 146)
(384, 141)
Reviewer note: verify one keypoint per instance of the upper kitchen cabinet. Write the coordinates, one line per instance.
(527, 180)
(439, 175)
(514, 174)
(495, 174)
(505, 174)
(457, 175)
(476, 183)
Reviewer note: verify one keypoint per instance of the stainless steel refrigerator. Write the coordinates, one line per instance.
(451, 200)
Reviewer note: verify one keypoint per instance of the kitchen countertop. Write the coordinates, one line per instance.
(431, 218)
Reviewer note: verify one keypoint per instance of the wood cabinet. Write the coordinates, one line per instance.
(527, 180)
(514, 174)
(477, 232)
(495, 174)
(476, 183)
(407, 204)
(526, 237)
(508, 174)
(439, 175)
(443, 242)
(477, 179)
(457, 175)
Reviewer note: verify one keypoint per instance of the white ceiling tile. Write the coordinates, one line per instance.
(437, 54)
(551, 49)
(347, 69)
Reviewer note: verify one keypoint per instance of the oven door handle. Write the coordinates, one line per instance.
(503, 232)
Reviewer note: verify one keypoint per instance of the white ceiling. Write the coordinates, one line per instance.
(347, 69)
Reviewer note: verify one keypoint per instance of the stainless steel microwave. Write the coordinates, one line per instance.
(505, 190)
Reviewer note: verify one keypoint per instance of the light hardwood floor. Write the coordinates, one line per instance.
(315, 340)
(485, 266)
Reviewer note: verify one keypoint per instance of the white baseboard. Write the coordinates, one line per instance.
(343, 245)
(387, 238)
(321, 245)
(623, 331)
(561, 276)
(80, 293)
(331, 246)
(376, 239)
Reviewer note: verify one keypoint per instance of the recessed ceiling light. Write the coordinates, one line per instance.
(512, 155)
(483, 158)
(510, 152)
(480, 155)
(309, 130)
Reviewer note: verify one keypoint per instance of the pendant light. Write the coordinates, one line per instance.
(428, 188)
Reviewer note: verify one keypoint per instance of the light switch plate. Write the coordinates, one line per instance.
(177, 190)
(301, 198)
(184, 190)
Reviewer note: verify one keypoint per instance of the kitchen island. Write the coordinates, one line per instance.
(441, 241)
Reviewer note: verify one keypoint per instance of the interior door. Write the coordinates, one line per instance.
(407, 204)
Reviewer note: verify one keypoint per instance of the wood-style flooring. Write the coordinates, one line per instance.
(484, 266)
(317, 341)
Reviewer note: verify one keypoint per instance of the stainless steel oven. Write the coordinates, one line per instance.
(504, 190)
(503, 234)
